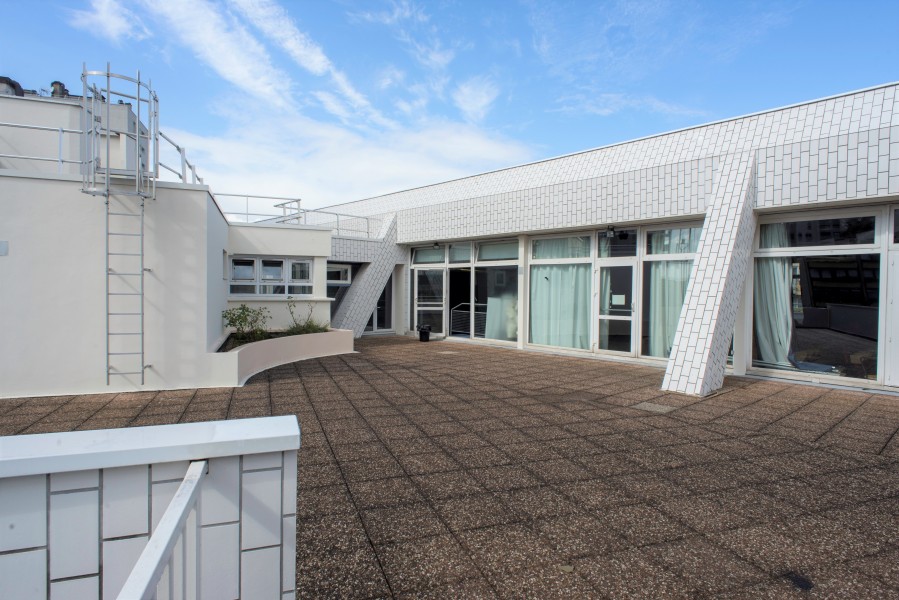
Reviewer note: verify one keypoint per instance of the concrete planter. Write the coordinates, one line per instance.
(259, 356)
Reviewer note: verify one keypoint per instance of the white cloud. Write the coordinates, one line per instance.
(402, 10)
(327, 164)
(475, 97)
(274, 22)
(225, 46)
(390, 76)
(605, 104)
(110, 20)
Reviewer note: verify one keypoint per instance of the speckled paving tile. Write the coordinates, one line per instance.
(522, 463)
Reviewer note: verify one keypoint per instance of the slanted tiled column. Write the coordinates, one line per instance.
(722, 264)
(362, 297)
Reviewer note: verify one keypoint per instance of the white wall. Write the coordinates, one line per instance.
(52, 290)
(71, 502)
(279, 240)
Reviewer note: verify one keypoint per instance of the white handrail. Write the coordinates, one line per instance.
(154, 559)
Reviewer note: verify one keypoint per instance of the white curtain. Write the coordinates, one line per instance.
(773, 299)
(560, 305)
(668, 281)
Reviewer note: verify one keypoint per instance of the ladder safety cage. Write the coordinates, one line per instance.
(120, 156)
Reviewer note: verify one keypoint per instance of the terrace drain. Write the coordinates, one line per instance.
(653, 407)
(800, 581)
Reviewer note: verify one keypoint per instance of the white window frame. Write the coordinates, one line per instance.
(258, 280)
(882, 243)
(346, 270)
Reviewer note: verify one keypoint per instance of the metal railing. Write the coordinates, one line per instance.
(259, 209)
(460, 319)
(157, 559)
(186, 165)
(61, 131)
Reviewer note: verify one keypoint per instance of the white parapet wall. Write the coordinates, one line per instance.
(78, 509)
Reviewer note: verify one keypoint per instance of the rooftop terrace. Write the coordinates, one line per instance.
(451, 470)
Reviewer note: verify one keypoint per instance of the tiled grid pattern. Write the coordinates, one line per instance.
(362, 297)
(484, 472)
(854, 112)
(246, 505)
(852, 165)
(723, 258)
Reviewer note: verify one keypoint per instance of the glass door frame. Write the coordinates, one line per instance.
(429, 306)
(627, 261)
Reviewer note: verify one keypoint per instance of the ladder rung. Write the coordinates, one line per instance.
(118, 214)
(119, 314)
(124, 353)
(124, 294)
(128, 234)
(128, 333)
(117, 273)
(123, 253)
(125, 372)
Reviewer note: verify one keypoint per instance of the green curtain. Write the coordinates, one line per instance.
(560, 305)
(668, 282)
(773, 299)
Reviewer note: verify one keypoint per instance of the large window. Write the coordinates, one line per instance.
(817, 309)
(666, 274)
(271, 276)
(560, 292)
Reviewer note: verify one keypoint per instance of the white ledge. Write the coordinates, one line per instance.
(106, 448)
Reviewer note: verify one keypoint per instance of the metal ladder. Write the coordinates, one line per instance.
(121, 165)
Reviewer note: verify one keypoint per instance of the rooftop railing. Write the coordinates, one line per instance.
(247, 208)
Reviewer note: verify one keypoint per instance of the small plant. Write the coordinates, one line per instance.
(309, 325)
(248, 323)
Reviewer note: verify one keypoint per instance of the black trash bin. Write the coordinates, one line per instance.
(424, 333)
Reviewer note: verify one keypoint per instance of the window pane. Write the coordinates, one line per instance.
(338, 274)
(568, 247)
(817, 314)
(272, 270)
(825, 232)
(300, 271)
(496, 293)
(243, 269)
(560, 305)
(434, 318)
(619, 243)
(430, 286)
(460, 253)
(498, 251)
(673, 241)
(427, 255)
(664, 287)
(300, 290)
(616, 291)
(243, 289)
(615, 335)
(271, 289)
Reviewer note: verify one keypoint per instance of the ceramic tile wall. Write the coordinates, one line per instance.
(722, 261)
(60, 528)
(380, 258)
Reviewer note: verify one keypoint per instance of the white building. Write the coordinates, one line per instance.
(762, 244)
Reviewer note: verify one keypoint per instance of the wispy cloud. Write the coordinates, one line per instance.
(224, 45)
(273, 21)
(605, 104)
(475, 96)
(110, 20)
(402, 10)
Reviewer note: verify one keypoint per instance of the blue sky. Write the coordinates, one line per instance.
(339, 100)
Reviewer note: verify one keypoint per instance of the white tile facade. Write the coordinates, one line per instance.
(380, 257)
(64, 526)
(826, 151)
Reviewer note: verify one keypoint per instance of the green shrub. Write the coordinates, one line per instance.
(248, 323)
(309, 325)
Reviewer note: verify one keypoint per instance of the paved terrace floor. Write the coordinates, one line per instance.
(451, 470)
